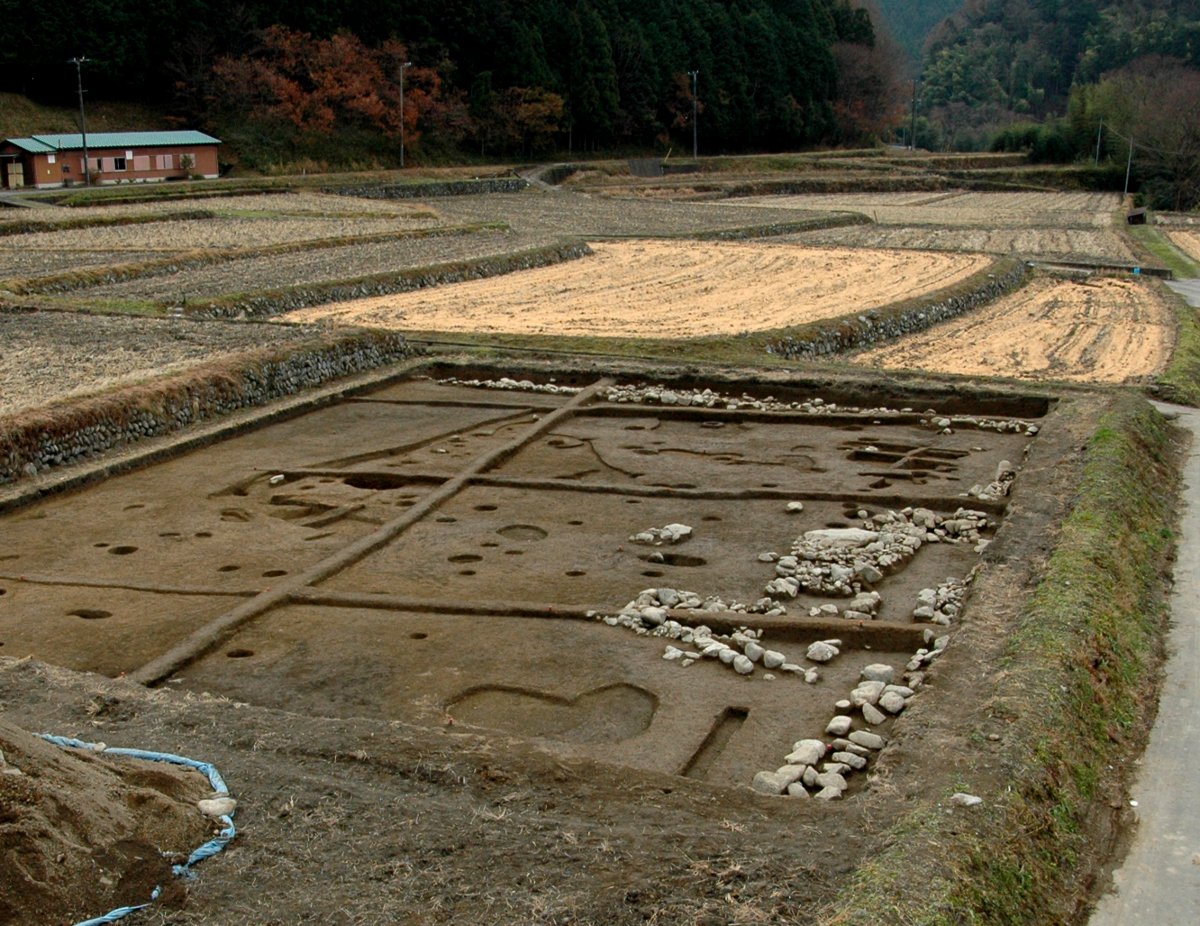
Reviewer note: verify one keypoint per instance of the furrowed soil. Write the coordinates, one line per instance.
(1188, 242)
(1102, 330)
(665, 290)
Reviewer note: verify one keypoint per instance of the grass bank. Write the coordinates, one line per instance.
(1075, 687)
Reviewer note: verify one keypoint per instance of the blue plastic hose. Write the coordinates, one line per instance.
(208, 850)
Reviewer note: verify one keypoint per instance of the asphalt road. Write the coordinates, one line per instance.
(1159, 881)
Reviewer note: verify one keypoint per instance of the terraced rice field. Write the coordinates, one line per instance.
(1104, 330)
(663, 289)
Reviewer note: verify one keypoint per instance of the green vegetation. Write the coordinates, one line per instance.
(342, 83)
(1154, 242)
(1180, 381)
(1076, 682)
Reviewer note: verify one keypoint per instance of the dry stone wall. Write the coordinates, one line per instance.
(855, 332)
(276, 302)
(95, 426)
(438, 188)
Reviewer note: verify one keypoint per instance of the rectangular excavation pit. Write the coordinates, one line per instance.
(505, 545)
(654, 448)
(577, 687)
(506, 549)
(105, 630)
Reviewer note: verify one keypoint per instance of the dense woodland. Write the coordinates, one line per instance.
(496, 77)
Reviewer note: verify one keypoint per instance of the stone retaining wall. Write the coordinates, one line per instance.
(435, 188)
(855, 332)
(71, 433)
(276, 302)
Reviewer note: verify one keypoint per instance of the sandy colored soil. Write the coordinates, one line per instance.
(664, 289)
(1188, 242)
(50, 356)
(1104, 330)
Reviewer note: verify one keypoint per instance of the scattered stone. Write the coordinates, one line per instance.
(217, 806)
(867, 739)
(742, 665)
(671, 533)
(839, 726)
(807, 752)
(878, 672)
(754, 652)
(965, 800)
(769, 783)
(821, 652)
(795, 507)
(892, 702)
(829, 794)
(873, 715)
(772, 659)
(797, 789)
(852, 759)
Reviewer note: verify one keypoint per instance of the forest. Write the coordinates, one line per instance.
(498, 78)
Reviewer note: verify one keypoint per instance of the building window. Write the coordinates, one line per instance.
(118, 164)
(164, 161)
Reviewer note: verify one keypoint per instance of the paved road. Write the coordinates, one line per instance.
(1189, 289)
(1159, 882)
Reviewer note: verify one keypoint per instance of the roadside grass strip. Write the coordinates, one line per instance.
(1076, 689)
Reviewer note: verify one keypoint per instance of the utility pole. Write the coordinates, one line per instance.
(695, 75)
(1128, 166)
(87, 171)
(1098, 132)
(404, 67)
(912, 135)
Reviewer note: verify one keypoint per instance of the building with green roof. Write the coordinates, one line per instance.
(49, 161)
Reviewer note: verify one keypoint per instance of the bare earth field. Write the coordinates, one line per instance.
(1103, 330)
(51, 356)
(1076, 226)
(1188, 242)
(298, 267)
(663, 289)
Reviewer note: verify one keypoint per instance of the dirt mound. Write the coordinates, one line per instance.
(81, 835)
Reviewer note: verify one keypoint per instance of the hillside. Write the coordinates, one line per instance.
(912, 21)
(20, 116)
(348, 80)
(1023, 56)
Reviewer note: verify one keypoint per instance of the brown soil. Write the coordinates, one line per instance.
(665, 289)
(82, 834)
(1101, 330)
(443, 702)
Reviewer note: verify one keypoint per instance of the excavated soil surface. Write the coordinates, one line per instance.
(412, 678)
(665, 289)
(1099, 330)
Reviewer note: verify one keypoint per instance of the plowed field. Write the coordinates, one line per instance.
(1188, 242)
(666, 289)
(1106, 330)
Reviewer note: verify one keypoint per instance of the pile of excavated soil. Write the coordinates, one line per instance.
(1102, 330)
(666, 290)
(81, 834)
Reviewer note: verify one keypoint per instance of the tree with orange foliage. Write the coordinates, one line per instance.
(317, 87)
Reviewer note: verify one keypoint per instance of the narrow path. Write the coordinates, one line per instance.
(1159, 881)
